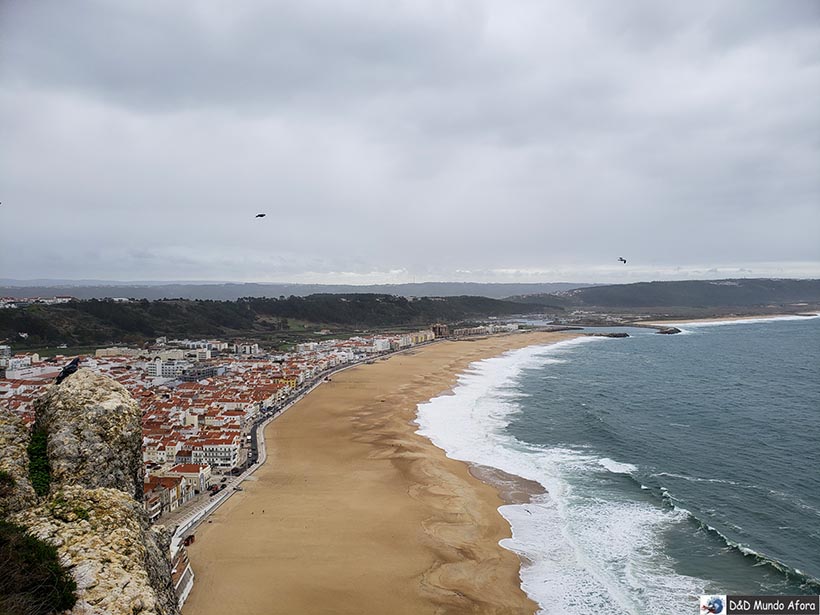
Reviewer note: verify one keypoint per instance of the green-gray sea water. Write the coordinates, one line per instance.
(674, 465)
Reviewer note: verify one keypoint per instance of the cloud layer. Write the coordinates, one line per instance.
(494, 141)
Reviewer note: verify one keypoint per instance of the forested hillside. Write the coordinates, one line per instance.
(105, 321)
(701, 293)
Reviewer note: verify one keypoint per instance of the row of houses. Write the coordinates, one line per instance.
(165, 492)
(484, 330)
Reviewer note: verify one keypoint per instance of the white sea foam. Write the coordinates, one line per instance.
(616, 466)
(585, 553)
(699, 479)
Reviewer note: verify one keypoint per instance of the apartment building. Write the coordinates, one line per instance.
(220, 452)
(166, 369)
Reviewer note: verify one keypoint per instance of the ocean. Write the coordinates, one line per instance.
(674, 465)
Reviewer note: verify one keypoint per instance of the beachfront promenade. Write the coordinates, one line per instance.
(187, 520)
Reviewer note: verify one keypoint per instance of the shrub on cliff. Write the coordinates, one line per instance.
(32, 581)
(7, 483)
(39, 470)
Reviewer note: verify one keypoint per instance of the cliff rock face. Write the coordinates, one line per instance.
(16, 492)
(94, 434)
(119, 561)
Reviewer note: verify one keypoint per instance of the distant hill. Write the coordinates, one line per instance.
(88, 323)
(232, 292)
(744, 293)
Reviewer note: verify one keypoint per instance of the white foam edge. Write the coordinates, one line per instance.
(617, 467)
(447, 429)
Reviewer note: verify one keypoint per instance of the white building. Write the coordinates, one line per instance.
(116, 351)
(18, 362)
(247, 348)
(160, 452)
(203, 354)
(197, 475)
(166, 369)
(307, 347)
(41, 371)
(218, 452)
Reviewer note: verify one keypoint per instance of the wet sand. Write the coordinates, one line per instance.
(355, 513)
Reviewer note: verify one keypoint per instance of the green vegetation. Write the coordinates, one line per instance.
(6, 481)
(279, 321)
(32, 581)
(67, 511)
(7, 484)
(379, 310)
(39, 470)
(694, 294)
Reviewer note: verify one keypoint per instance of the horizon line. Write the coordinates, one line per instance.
(34, 282)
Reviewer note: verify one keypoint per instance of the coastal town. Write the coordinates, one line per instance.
(201, 399)
(202, 404)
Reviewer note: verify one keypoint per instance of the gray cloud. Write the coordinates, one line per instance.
(499, 140)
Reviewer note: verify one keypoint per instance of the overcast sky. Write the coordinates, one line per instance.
(409, 140)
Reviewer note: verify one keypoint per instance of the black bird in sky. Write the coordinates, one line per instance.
(622, 259)
(261, 215)
(68, 369)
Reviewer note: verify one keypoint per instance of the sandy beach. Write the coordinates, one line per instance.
(355, 513)
(683, 321)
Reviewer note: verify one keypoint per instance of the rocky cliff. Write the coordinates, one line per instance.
(16, 492)
(90, 512)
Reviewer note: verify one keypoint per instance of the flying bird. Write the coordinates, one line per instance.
(68, 370)
(622, 259)
(261, 215)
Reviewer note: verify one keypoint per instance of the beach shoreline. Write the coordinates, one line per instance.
(355, 512)
(726, 319)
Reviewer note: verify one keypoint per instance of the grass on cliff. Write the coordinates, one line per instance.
(32, 581)
(7, 484)
(39, 470)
